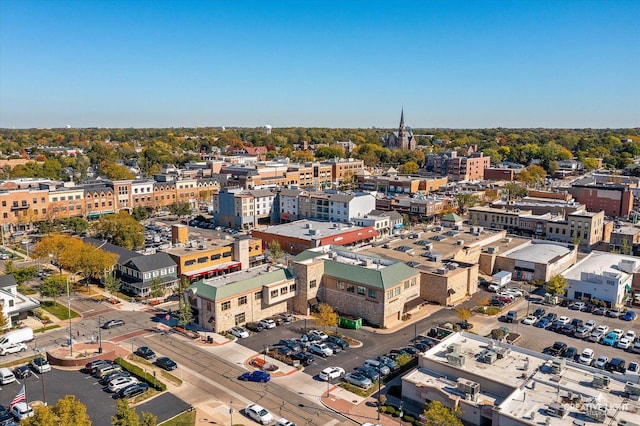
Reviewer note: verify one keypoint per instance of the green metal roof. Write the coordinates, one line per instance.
(383, 278)
(232, 289)
(452, 217)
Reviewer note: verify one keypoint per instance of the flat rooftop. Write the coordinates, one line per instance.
(311, 229)
(523, 384)
(348, 257)
(538, 251)
(240, 275)
(598, 262)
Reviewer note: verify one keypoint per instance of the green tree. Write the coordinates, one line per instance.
(556, 285)
(120, 229)
(21, 275)
(148, 419)
(275, 250)
(589, 164)
(409, 168)
(77, 225)
(185, 316)
(3, 319)
(67, 411)
(111, 283)
(437, 414)
(466, 200)
(180, 208)
(125, 415)
(157, 288)
(326, 316)
(53, 286)
(515, 191)
(139, 213)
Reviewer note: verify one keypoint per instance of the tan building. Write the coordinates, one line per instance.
(66, 202)
(537, 260)
(343, 167)
(581, 227)
(449, 284)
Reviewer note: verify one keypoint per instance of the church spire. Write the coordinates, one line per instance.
(402, 120)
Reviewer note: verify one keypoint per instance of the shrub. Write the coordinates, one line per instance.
(492, 310)
(497, 334)
(141, 374)
(389, 409)
(408, 418)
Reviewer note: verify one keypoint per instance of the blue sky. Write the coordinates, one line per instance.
(461, 64)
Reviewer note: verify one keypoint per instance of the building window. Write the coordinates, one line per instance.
(292, 288)
(340, 285)
(257, 295)
(226, 305)
(414, 281)
(372, 293)
(209, 306)
(240, 318)
(203, 259)
(406, 284)
(242, 300)
(397, 291)
(362, 290)
(274, 293)
(283, 291)
(351, 288)
(189, 262)
(389, 294)
(313, 284)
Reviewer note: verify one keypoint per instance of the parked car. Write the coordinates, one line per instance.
(90, 366)
(255, 376)
(12, 348)
(581, 332)
(616, 365)
(614, 313)
(388, 362)
(21, 372)
(633, 369)
(304, 358)
(267, 323)
(358, 379)
(133, 390)
(556, 326)
(564, 319)
(538, 313)
(321, 349)
(41, 365)
(599, 311)
(318, 333)
(530, 320)
(378, 366)
(571, 353)
(629, 316)
(557, 349)
(22, 411)
(166, 363)
(596, 336)
(331, 373)
(112, 323)
(590, 324)
(603, 328)
(368, 372)
(259, 414)
(145, 352)
(293, 344)
(578, 306)
(624, 343)
(239, 332)
(255, 326)
(551, 316)
(104, 380)
(6, 419)
(338, 341)
(586, 357)
(601, 362)
(610, 339)
(121, 382)
(568, 329)
(542, 323)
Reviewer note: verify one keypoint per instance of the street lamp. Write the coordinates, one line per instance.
(379, 382)
(99, 336)
(231, 411)
(69, 316)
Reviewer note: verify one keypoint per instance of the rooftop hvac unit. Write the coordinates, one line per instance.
(469, 387)
(596, 412)
(457, 227)
(600, 381)
(428, 246)
(501, 352)
(492, 250)
(455, 360)
(454, 348)
(632, 388)
(627, 423)
(508, 240)
(558, 365)
(441, 271)
(490, 357)
(201, 247)
(557, 410)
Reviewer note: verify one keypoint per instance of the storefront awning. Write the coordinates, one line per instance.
(413, 304)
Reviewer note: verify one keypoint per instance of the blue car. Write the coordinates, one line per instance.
(255, 376)
(542, 323)
(629, 316)
(610, 339)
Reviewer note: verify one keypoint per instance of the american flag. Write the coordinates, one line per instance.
(20, 397)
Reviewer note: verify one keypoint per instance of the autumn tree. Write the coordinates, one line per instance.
(139, 213)
(437, 414)
(463, 314)
(409, 168)
(115, 171)
(326, 316)
(3, 320)
(466, 200)
(276, 250)
(556, 285)
(304, 156)
(67, 411)
(514, 191)
(180, 208)
(125, 415)
(120, 229)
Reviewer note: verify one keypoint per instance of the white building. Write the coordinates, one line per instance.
(289, 206)
(15, 306)
(382, 224)
(602, 276)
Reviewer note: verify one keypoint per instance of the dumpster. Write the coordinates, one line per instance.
(350, 322)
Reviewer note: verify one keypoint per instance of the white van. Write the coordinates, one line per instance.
(6, 376)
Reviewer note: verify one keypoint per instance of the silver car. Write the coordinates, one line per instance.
(358, 379)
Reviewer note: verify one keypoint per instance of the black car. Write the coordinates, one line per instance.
(568, 329)
(303, 357)
(334, 347)
(166, 363)
(90, 366)
(291, 343)
(21, 372)
(112, 323)
(464, 325)
(551, 316)
(254, 326)
(571, 353)
(338, 341)
(577, 322)
(558, 349)
(497, 302)
(616, 364)
(556, 326)
(539, 313)
(145, 352)
(132, 390)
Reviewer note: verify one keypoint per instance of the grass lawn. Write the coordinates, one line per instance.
(58, 310)
(188, 418)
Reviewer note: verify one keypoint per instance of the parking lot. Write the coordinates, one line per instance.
(539, 338)
(100, 404)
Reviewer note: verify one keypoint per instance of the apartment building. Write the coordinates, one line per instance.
(458, 168)
(495, 218)
(615, 199)
(289, 205)
(344, 167)
(142, 193)
(335, 206)
(581, 227)
(393, 184)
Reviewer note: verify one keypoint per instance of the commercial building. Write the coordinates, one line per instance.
(335, 206)
(603, 276)
(458, 168)
(537, 260)
(493, 383)
(614, 199)
(449, 284)
(301, 235)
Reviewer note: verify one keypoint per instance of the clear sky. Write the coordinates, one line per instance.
(461, 64)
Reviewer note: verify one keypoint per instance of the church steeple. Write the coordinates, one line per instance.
(402, 120)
